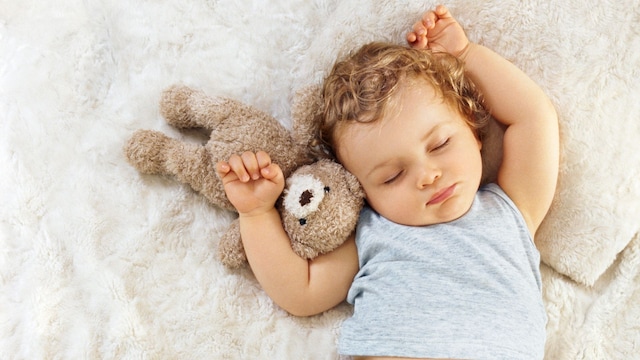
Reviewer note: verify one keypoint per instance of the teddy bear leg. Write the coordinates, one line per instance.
(175, 106)
(146, 151)
(193, 165)
(184, 107)
(230, 250)
(152, 152)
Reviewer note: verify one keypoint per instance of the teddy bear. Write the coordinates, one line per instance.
(321, 202)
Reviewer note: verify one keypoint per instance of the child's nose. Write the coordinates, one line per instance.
(428, 176)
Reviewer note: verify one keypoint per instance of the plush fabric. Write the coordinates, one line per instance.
(97, 261)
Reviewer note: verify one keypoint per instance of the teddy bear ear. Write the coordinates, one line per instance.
(353, 184)
(305, 107)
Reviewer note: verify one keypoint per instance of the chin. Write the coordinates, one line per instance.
(457, 210)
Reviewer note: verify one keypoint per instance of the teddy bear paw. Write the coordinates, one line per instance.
(145, 150)
(175, 108)
(230, 250)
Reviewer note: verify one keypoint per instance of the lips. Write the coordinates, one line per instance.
(441, 195)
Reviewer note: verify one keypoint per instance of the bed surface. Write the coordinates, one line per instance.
(98, 261)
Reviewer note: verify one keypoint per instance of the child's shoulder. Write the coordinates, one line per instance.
(495, 192)
(492, 188)
(493, 196)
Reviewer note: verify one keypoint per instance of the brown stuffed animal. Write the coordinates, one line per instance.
(321, 201)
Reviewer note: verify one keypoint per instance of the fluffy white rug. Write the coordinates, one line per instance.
(97, 261)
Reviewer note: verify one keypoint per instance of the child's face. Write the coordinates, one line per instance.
(420, 164)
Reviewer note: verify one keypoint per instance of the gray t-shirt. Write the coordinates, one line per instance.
(469, 288)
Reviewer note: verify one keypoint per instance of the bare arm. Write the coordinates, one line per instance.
(301, 287)
(529, 170)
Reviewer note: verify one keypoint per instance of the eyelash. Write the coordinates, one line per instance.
(392, 179)
(441, 145)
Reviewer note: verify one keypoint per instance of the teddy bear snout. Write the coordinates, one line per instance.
(303, 196)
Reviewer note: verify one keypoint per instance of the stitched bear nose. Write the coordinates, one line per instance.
(306, 197)
(303, 196)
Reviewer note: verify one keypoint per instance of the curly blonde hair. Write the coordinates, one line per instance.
(360, 88)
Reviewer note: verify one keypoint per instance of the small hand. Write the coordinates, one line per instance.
(251, 181)
(438, 31)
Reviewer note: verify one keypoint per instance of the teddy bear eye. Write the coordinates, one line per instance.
(303, 222)
(327, 189)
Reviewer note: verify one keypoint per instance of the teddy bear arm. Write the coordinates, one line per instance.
(304, 251)
(259, 134)
(230, 250)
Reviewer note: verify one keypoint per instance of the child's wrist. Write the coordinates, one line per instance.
(259, 221)
(258, 212)
(462, 54)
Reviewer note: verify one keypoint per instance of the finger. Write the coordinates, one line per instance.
(442, 12)
(237, 166)
(419, 29)
(418, 37)
(411, 37)
(224, 172)
(268, 170)
(429, 19)
(222, 168)
(272, 172)
(251, 164)
(263, 158)
(420, 42)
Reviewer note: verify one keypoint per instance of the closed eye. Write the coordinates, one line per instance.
(441, 145)
(393, 178)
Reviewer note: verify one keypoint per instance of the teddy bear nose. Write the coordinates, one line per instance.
(306, 197)
(303, 196)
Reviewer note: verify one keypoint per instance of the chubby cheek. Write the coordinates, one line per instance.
(371, 197)
(392, 206)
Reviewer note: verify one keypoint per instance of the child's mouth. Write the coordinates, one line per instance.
(442, 195)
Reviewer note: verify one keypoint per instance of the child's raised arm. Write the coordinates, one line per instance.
(529, 169)
(301, 287)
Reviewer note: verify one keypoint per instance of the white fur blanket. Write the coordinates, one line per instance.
(97, 261)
